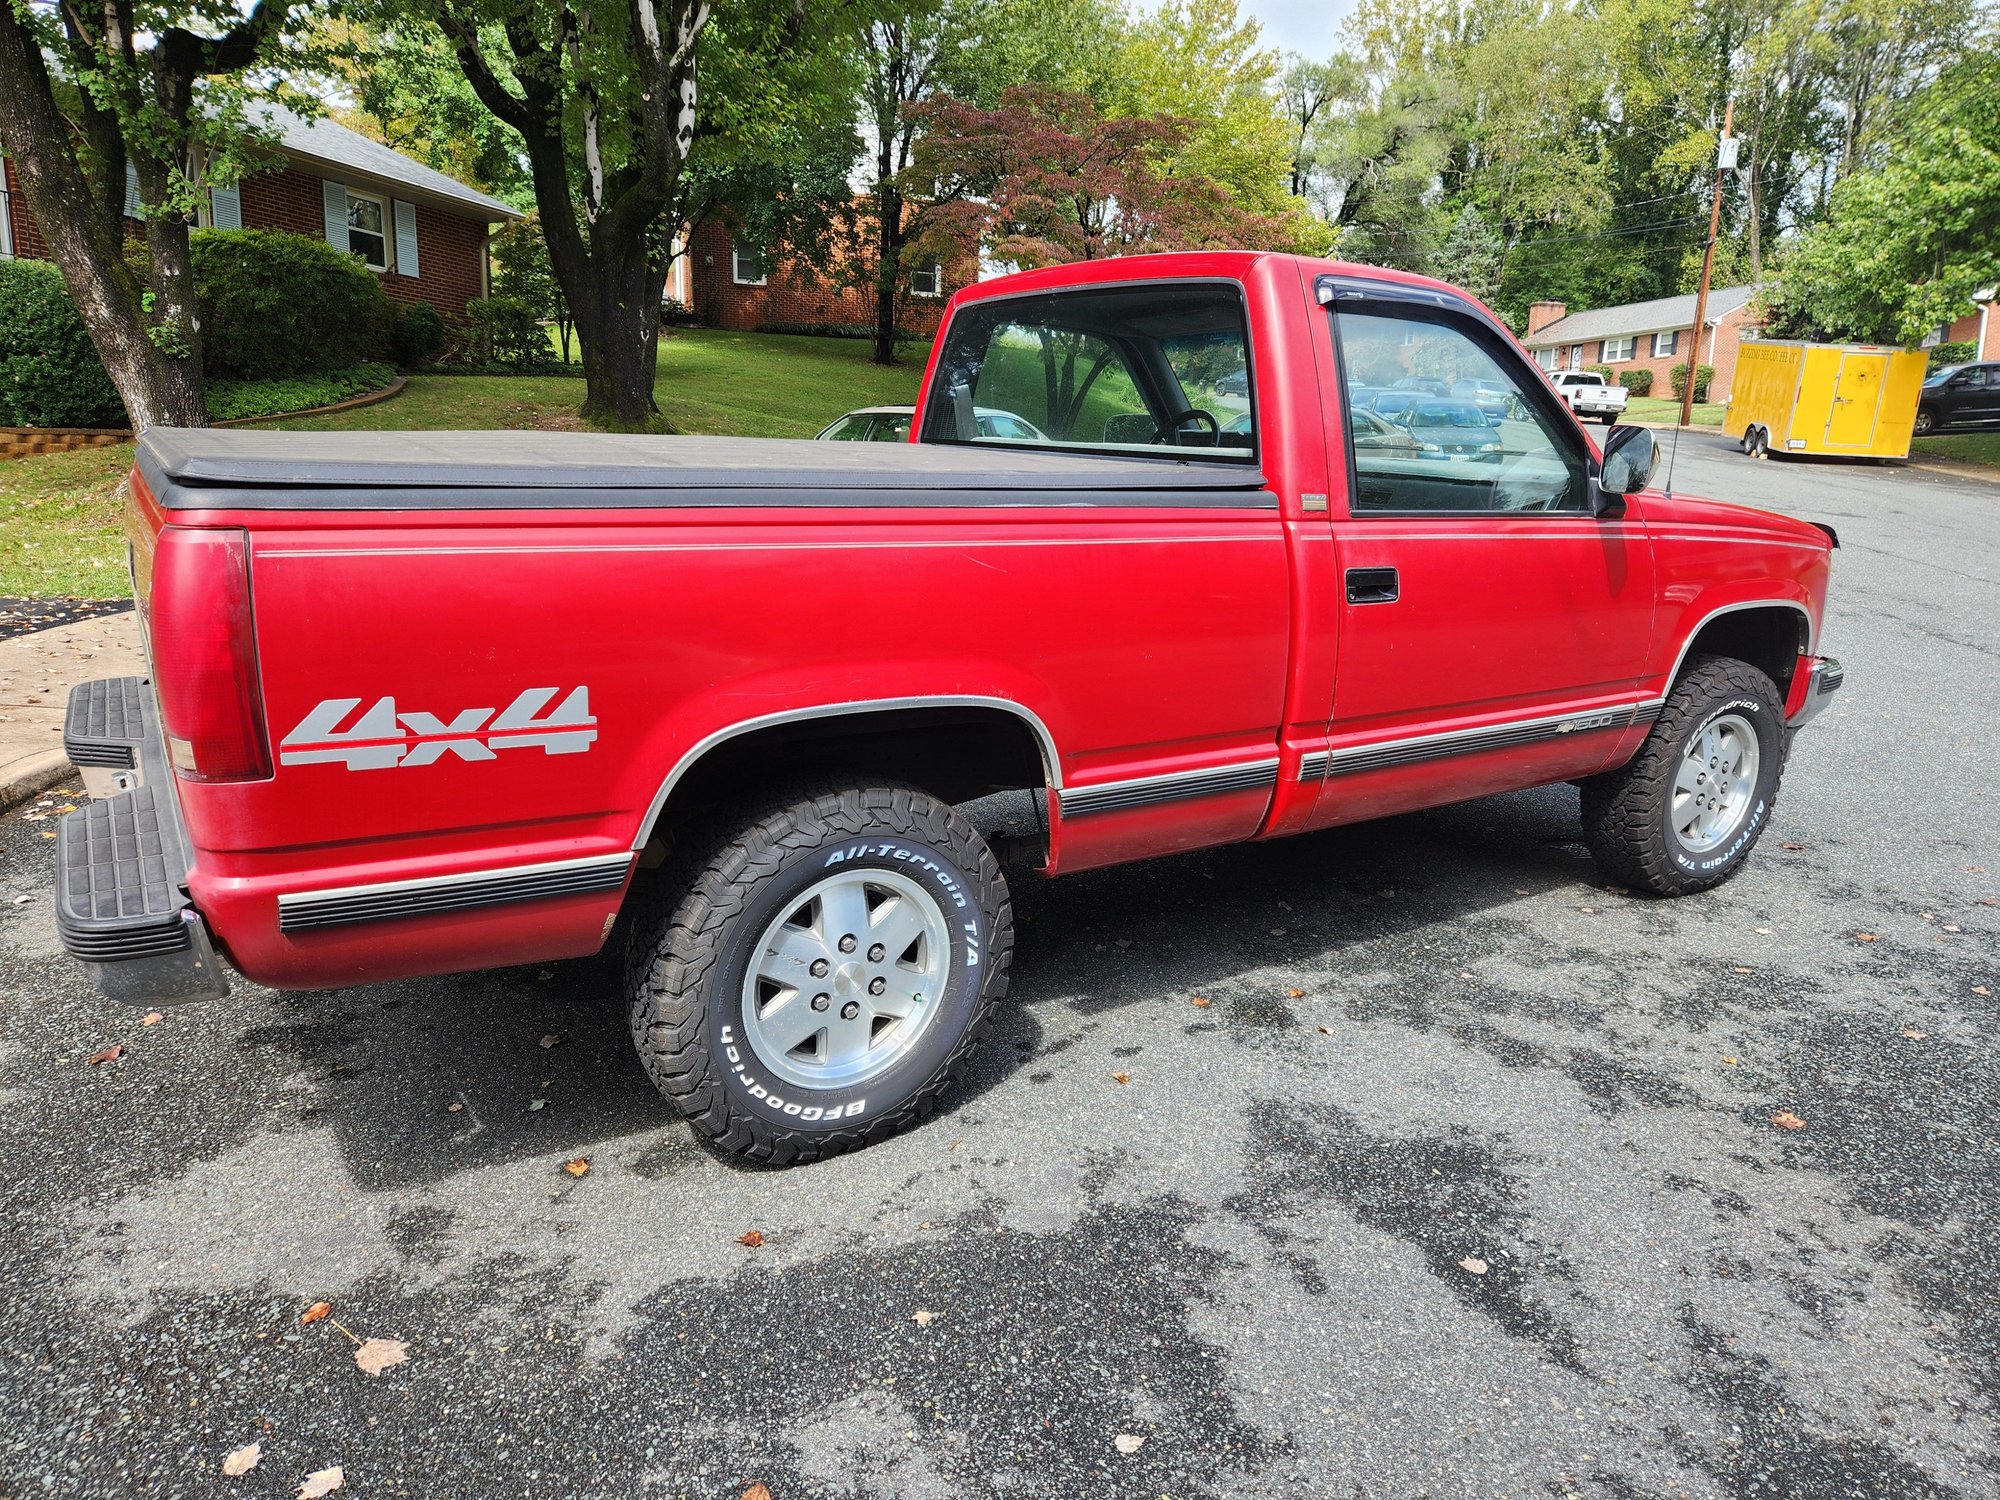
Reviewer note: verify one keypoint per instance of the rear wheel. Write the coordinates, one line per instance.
(1926, 422)
(1684, 813)
(817, 971)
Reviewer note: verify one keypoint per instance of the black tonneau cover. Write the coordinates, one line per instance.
(200, 468)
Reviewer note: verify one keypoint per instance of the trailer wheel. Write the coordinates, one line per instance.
(1757, 443)
(1684, 813)
(817, 969)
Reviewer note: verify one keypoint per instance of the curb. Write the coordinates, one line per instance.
(366, 398)
(43, 772)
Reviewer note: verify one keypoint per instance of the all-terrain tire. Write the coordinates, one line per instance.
(695, 936)
(1628, 814)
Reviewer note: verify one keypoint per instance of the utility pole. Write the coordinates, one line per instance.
(1725, 160)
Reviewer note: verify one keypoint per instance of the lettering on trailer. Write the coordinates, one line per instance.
(383, 738)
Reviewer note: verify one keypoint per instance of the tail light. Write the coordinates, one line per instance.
(205, 656)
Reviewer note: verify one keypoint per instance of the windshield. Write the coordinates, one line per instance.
(1453, 415)
(1162, 368)
(1941, 376)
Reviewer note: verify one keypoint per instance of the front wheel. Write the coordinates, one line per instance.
(1684, 813)
(816, 972)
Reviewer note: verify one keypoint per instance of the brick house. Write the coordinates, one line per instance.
(1981, 329)
(1653, 335)
(424, 233)
(729, 281)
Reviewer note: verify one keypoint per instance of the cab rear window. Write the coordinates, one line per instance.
(1157, 369)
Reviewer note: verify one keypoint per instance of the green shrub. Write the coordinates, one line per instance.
(276, 305)
(1638, 382)
(506, 332)
(49, 372)
(1951, 354)
(419, 335)
(230, 399)
(1677, 378)
(1603, 372)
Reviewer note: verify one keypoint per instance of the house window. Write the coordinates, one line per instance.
(927, 281)
(746, 264)
(1546, 358)
(1664, 344)
(1617, 350)
(367, 229)
(1936, 336)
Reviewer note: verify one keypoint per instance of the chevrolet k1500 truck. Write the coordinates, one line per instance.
(426, 702)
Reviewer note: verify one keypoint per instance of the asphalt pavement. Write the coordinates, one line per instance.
(1466, 1182)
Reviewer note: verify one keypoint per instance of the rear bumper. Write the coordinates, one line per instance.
(1823, 680)
(122, 859)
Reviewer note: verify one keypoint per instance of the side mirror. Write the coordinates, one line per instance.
(1630, 456)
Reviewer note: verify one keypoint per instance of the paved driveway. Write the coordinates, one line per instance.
(1434, 1044)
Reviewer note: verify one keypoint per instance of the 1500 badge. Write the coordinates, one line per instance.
(382, 737)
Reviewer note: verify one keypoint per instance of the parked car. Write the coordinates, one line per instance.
(1495, 402)
(1959, 397)
(1428, 385)
(891, 424)
(1371, 431)
(1457, 428)
(728, 699)
(1396, 405)
(871, 424)
(1589, 394)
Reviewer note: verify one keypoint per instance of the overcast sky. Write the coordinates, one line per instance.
(1309, 27)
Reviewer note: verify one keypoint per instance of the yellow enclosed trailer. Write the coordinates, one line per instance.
(1848, 400)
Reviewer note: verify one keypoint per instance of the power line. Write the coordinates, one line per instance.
(1603, 234)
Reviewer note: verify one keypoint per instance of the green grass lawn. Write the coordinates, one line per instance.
(61, 533)
(1960, 447)
(1667, 409)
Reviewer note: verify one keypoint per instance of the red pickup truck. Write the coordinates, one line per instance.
(427, 702)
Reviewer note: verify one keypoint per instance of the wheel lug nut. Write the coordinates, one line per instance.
(877, 953)
(847, 943)
(850, 1010)
(820, 1002)
(819, 968)
(877, 985)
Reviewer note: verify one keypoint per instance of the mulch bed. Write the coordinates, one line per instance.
(25, 616)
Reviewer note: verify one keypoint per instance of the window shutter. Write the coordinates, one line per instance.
(406, 239)
(131, 191)
(334, 197)
(225, 207)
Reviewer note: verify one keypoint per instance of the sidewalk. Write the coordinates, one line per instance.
(36, 673)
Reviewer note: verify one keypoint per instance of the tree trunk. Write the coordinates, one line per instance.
(158, 390)
(888, 268)
(1756, 222)
(618, 325)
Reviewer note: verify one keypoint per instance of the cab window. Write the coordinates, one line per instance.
(1465, 433)
(1157, 369)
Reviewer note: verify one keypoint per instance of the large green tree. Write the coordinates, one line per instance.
(117, 109)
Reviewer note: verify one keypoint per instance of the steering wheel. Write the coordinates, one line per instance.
(1197, 417)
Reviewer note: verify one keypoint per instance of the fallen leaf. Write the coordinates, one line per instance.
(1121, 1077)
(314, 1313)
(1784, 1119)
(1465, 974)
(1866, 937)
(545, 974)
(1953, 927)
(922, 1317)
(109, 1054)
(1795, 848)
(551, 1040)
(454, 1109)
(1988, 901)
(751, 1237)
(22, 900)
(577, 1166)
(1284, 906)
(1124, 942)
(1128, 1443)
(1295, 994)
(535, 1104)
(151, 1018)
(1202, 1002)
(1728, 1061)
(1589, 909)
(1277, 932)
(1980, 989)
(240, 1461)
(325, 1482)
(1764, 931)
(373, 1356)
(1740, 969)
(1914, 1034)
(757, 1491)
(1326, 1031)
(1473, 1264)
(1974, 869)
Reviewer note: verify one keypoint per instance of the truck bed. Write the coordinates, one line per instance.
(208, 469)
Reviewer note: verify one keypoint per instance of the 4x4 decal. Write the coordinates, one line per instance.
(382, 738)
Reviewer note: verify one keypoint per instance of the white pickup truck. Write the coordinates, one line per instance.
(1589, 394)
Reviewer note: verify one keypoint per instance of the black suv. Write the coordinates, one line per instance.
(1959, 396)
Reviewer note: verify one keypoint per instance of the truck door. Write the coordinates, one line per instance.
(1857, 401)
(1490, 619)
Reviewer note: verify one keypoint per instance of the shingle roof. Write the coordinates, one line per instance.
(335, 145)
(1657, 316)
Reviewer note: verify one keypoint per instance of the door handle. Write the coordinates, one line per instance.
(1373, 586)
